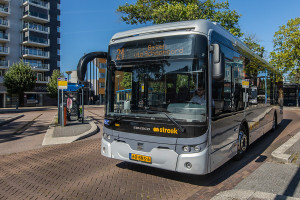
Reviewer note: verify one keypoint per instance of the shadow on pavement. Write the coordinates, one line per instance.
(222, 173)
(9, 134)
(291, 188)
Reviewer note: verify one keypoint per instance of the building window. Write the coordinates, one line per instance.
(58, 18)
(101, 85)
(102, 65)
(58, 63)
(102, 75)
(58, 52)
(58, 29)
(39, 77)
(58, 6)
(58, 40)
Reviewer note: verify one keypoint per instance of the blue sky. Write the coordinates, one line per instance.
(88, 26)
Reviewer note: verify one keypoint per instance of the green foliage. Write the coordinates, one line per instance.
(126, 82)
(159, 12)
(52, 85)
(253, 45)
(19, 78)
(286, 43)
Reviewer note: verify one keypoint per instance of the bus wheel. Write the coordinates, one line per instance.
(274, 126)
(242, 144)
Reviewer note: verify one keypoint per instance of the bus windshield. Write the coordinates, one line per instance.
(161, 75)
(167, 86)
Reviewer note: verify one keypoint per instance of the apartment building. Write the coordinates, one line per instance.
(101, 64)
(30, 30)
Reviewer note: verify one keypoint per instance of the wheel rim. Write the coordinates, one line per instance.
(243, 143)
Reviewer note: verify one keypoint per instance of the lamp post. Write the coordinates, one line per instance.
(118, 97)
(68, 72)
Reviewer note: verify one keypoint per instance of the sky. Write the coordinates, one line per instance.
(87, 26)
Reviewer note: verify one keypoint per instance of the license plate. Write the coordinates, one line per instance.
(146, 159)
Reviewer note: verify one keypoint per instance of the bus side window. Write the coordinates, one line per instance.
(222, 89)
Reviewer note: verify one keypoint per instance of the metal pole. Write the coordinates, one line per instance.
(82, 105)
(90, 83)
(97, 83)
(93, 80)
(58, 106)
(62, 108)
(266, 90)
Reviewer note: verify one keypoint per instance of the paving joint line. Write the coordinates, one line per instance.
(11, 119)
(25, 126)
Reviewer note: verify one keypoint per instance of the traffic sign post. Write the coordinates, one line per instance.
(245, 84)
(62, 83)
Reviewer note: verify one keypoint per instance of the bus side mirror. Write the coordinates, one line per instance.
(218, 62)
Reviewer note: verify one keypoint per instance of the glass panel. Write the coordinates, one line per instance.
(154, 47)
(168, 86)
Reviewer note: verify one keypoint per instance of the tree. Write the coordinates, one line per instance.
(253, 44)
(52, 85)
(159, 12)
(18, 79)
(126, 82)
(286, 43)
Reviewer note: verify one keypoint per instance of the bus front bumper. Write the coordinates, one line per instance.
(193, 163)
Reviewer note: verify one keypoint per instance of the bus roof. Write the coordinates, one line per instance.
(181, 28)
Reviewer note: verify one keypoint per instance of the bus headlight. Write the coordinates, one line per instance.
(197, 148)
(186, 148)
(106, 136)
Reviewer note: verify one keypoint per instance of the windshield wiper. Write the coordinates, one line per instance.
(182, 129)
(118, 118)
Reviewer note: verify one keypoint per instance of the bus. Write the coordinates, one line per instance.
(291, 94)
(175, 133)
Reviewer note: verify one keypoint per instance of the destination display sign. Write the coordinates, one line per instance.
(174, 46)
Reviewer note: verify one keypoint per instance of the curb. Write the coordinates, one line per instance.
(50, 140)
(25, 109)
(279, 153)
(250, 194)
(10, 120)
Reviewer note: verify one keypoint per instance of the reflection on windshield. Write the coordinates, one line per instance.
(164, 87)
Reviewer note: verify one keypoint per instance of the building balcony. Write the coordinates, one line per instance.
(33, 54)
(4, 11)
(4, 24)
(4, 37)
(4, 64)
(4, 1)
(38, 3)
(36, 42)
(40, 67)
(36, 27)
(36, 17)
(44, 80)
(4, 51)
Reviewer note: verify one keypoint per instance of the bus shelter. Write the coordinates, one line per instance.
(71, 104)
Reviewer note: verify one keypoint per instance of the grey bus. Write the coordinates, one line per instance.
(162, 127)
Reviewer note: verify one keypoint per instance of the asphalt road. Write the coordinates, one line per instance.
(78, 171)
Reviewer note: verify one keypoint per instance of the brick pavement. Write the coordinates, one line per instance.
(25, 133)
(78, 171)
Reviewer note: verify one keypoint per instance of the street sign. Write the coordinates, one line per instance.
(62, 83)
(245, 83)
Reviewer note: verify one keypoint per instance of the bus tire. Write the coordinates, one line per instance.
(274, 126)
(242, 143)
